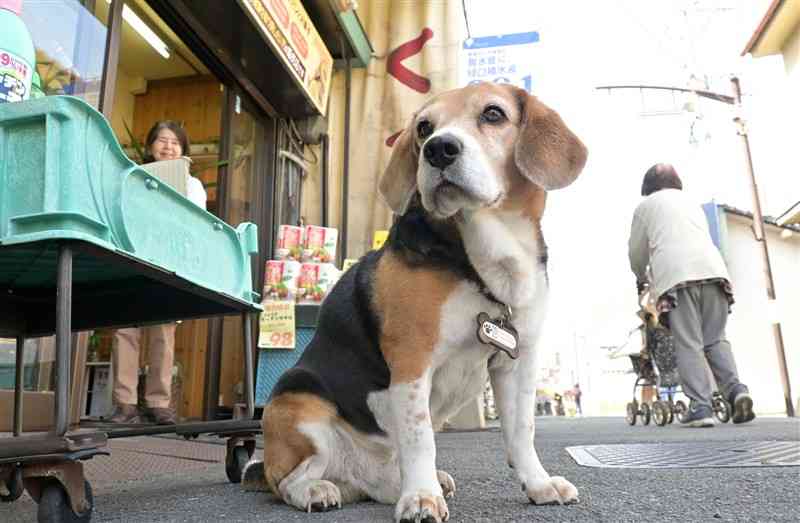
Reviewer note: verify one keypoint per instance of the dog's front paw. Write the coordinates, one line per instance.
(448, 484)
(421, 507)
(551, 491)
(320, 495)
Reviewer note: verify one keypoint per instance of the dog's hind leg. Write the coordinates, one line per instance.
(294, 465)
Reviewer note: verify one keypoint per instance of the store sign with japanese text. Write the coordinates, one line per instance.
(286, 26)
(506, 59)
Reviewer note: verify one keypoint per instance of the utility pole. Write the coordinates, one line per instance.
(761, 237)
(758, 218)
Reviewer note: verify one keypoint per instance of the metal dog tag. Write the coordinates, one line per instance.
(499, 334)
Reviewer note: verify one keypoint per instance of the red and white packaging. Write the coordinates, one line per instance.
(316, 281)
(281, 280)
(290, 243)
(320, 244)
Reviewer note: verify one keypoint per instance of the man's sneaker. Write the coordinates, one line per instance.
(162, 416)
(124, 413)
(742, 403)
(698, 416)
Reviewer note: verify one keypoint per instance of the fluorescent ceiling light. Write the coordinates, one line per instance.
(144, 31)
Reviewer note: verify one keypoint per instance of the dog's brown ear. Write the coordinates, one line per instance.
(546, 152)
(399, 181)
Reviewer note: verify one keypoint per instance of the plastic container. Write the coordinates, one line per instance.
(64, 176)
(17, 54)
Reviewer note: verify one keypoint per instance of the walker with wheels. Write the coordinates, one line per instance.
(656, 371)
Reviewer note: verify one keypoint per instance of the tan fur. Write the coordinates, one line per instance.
(409, 303)
(284, 446)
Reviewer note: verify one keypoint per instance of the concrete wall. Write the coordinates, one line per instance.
(750, 325)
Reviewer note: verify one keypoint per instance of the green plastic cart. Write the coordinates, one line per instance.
(89, 240)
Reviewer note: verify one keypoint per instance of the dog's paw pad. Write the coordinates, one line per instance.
(321, 496)
(447, 483)
(552, 491)
(421, 507)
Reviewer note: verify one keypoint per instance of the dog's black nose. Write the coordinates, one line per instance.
(441, 151)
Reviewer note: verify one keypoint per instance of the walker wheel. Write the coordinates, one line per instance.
(632, 411)
(661, 413)
(14, 486)
(54, 505)
(722, 410)
(680, 410)
(235, 461)
(645, 414)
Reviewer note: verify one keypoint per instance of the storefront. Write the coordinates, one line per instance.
(253, 102)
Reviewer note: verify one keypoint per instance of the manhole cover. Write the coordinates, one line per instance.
(707, 454)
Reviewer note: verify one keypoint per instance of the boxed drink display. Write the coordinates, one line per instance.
(316, 280)
(290, 243)
(320, 244)
(281, 280)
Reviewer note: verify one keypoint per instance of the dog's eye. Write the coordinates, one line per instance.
(424, 129)
(492, 114)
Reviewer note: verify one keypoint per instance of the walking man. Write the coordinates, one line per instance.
(670, 241)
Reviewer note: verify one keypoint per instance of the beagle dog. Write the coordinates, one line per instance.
(456, 296)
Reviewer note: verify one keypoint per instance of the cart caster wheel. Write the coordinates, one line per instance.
(670, 414)
(680, 410)
(722, 410)
(14, 486)
(661, 413)
(235, 462)
(645, 414)
(632, 411)
(54, 505)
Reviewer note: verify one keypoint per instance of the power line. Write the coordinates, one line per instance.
(466, 18)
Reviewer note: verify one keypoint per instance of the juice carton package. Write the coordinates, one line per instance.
(281, 280)
(290, 243)
(320, 244)
(316, 280)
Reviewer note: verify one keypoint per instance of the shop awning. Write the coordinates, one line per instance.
(791, 216)
(778, 24)
(235, 40)
(338, 26)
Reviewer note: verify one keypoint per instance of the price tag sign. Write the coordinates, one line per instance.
(503, 59)
(277, 326)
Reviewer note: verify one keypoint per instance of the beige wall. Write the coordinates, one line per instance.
(791, 53)
(124, 100)
(750, 326)
(382, 105)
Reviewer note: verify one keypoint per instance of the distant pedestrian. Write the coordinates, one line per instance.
(670, 241)
(578, 393)
(559, 401)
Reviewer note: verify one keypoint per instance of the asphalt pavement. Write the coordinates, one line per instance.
(195, 488)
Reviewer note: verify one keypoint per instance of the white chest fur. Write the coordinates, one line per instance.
(504, 249)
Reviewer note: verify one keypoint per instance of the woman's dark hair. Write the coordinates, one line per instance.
(152, 136)
(660, 176)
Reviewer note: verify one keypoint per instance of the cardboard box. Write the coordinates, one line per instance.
(290, 243)
(320, 244)
(281, 280)
(316, 281)
(174, 173)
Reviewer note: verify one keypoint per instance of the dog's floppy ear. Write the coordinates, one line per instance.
(399, 181)
(546, 152)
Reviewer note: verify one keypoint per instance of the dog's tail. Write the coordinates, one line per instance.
(253, 478)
